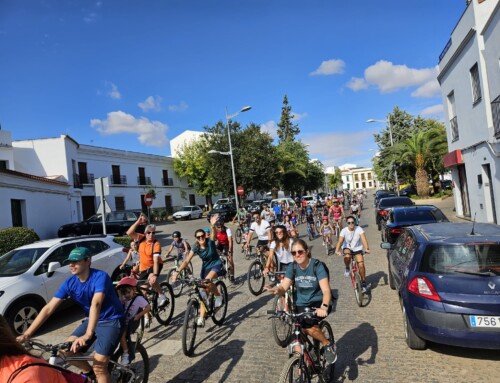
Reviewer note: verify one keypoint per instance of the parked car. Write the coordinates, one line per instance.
(407, 191)
(117, 223)
(289, 202)
(256, 206)
(379, 194)
(447, 276)
(226, 212)
(188, 212)
(447, 184)
(311, 201)
(399, 217)
(30, 275)
(385, 203)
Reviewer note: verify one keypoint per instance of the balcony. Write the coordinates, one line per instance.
(454, 129)
(118, 180)
(143, 181)
(495, 112)
(87, 179)
(167, 181)
(76, 181)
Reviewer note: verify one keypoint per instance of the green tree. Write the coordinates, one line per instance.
(335, 179)
(293, 160)
(287, 130)
(315, 176)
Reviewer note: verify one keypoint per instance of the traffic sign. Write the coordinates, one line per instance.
(240, 190)
(148, 200)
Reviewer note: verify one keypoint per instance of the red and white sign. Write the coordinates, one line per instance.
(240, 190)
(148, 199)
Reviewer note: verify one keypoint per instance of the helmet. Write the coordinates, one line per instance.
(309, 211)
(176, 234)
(206, 230)
(245, 228)
(325, 217)
(127, 281)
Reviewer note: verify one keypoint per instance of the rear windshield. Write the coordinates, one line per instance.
(396, 202)
(467, 258)
(415, 215)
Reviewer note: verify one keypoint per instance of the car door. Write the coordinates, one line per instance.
(53, 282)
(401, 259)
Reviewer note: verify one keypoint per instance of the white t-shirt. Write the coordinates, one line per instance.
(261, 229)
(283, 255)
(352, 239)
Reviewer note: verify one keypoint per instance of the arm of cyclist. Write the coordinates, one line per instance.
(281, 289)
(170, 248)
(182, 266)
(156, 268)
(339, 244)
(364, 241)
(268, 262)
(146, 309)
(213, 221)
(327, 297)
(44, 314)
(132, 230)
(127, 258)
(95, 310)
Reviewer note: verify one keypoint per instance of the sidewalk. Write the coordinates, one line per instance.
(446, 205)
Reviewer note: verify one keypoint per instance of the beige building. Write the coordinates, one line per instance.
(358, 178)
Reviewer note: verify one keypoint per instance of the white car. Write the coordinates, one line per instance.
(30, 275)
(311, 201)
(188, 212)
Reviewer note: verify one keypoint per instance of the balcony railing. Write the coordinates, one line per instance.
(143, 180)
(495, 111)
(86, 179)
(454, 129)
(118, 180)
(76, 181)
(167, 181)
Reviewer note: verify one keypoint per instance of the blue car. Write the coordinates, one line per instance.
(447, 276)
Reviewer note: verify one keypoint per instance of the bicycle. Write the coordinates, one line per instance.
(356, 282)
(224, 257)
(282, 326)
(328, 244)
(336, 227)
(135, 372)
(178, 285)
(255, 275)
(310, 233)
(218, 314)
(306, 357)
(164, 313)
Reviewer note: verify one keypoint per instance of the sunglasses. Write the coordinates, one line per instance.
(200, 237)
(299, 252)
(350, 222)
(150, 232)
(279, 231)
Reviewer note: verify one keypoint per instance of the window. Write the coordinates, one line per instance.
(476, 84)
(356, 177)
(495, 111)
(95, 247)
(452, 113)
(120, 203)
(4, 165)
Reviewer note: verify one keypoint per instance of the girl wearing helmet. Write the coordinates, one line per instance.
(326, 230)
(180, 244)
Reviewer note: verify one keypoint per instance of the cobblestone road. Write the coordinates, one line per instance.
(370, 339)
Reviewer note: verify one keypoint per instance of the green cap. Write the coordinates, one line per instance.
(78, 254)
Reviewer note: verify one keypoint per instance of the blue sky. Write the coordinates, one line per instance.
(132, 74)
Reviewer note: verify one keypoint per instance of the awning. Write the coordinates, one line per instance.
(453, 158)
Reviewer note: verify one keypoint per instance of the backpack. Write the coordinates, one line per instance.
(69, 376)
(315, 268)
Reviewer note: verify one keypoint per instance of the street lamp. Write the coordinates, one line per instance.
(230, 153)
(388, 122)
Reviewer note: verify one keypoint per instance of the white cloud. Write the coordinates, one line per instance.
(357, 83)
(150, 133)
(433, 110)
(270, 127)
(428, 90)
(329, 67)
(298, 116)
(151, 103)
(112, 90)
(181, 107)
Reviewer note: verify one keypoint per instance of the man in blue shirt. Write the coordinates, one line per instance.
(93, 290)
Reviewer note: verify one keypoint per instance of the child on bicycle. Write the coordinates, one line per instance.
(136, 307)
(180, 244)
(326, 230)
(133, 255)
(310, 222)
(244, 238)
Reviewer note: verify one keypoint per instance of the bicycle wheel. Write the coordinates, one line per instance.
(282, 327)
(358, 289)
(178, 285)
(238, 235)
(327, 246)
(328, 369)
(135, 372)
(255, 278)
(164, 313)
(318, 225)
(189, 327)
(294, 371)
(219, 313)
(309, 233)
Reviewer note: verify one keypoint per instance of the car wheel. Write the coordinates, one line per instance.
(22, 315)
(412, 340)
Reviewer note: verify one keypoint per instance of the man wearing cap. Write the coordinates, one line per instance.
(104, 314)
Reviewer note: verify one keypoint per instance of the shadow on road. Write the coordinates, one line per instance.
(373, 280)
(351, 346)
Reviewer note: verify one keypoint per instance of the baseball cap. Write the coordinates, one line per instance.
(78, 254)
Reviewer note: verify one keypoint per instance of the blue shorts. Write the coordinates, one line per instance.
(217, 268)
(107, 335)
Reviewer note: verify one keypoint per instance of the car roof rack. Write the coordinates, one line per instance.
(83, 237)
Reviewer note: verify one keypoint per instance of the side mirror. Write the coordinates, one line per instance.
(386, 246)
(53, 266)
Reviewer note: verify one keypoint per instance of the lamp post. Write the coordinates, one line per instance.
(388, 122)
(230, 153)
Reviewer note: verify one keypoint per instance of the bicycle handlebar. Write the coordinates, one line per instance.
(305, 314)
(49, 347)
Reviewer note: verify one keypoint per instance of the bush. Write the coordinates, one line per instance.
(124, 241)
(13, 237)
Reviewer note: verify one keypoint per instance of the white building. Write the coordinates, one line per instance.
(354, 177)
(469, 75)
(64, 173)
(182, 139)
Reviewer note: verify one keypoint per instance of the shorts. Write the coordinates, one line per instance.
(221, 247)
(283, 266)
(314, 321)
(217, 269)
(145, 273)
(262, 243)
(107, 335)
(357, 252)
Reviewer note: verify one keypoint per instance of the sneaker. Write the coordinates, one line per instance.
(364, 288)
(200, 322)
(218, 301)
(330, 353)
(125, 359)
(147, 322)
(162, 300)
(346, 273)
(231, 278)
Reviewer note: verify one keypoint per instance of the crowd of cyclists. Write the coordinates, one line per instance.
(109, 316)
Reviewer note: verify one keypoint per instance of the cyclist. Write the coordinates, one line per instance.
(312, 291)
(282, 247)
(180, 244)
(267, 214)
(277, 211)
(326, 230)
(310, 222)
(211, 264)
(241, 216)
(352, 239)
(225, 243)
(133, 255)
(337, 213)
(263, 230)
(104, 314)
(150, 264)
(355, 209)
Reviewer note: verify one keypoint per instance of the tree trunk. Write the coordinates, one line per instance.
(274, 193)
(422, 183)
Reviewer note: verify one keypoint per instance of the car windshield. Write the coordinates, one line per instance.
(18, 261)
(186, 208)
(466, 258)
(395, 201)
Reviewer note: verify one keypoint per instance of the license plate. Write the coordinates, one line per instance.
(484, 321)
